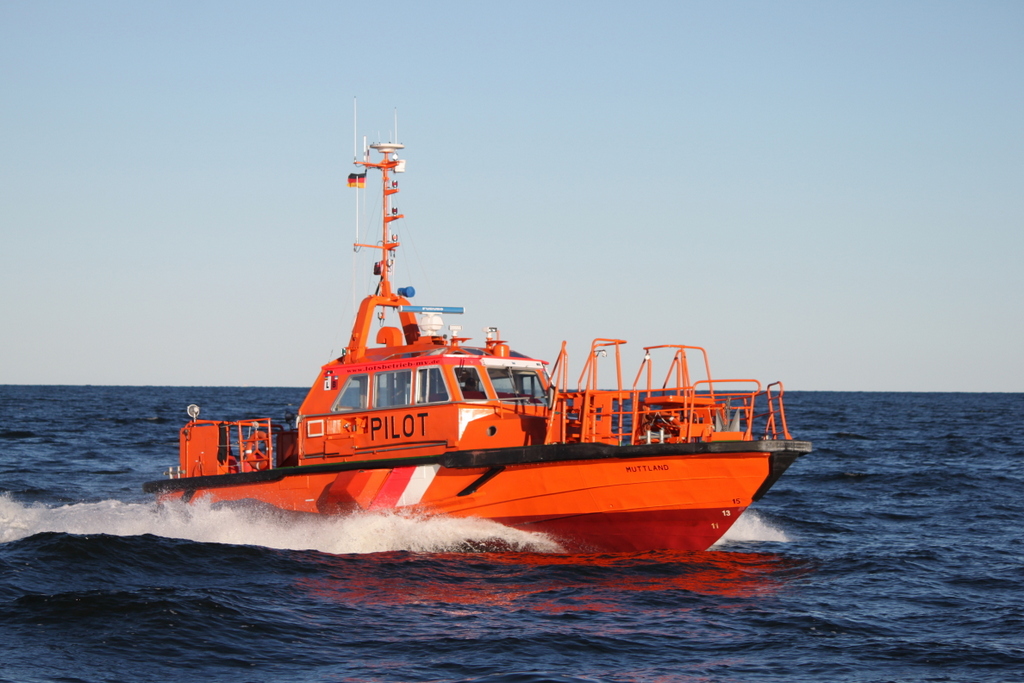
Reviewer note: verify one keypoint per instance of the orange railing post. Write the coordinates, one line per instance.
(558, 407)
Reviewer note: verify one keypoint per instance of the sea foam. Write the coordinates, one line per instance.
(752, 527)
(361, 532)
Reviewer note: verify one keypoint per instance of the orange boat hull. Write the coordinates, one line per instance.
(679, 502)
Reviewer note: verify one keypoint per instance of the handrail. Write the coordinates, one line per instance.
(678, 411)
(678, 363)
(781, 410)
(560, 370)
(559, 377)
(252, 446)
(590, 367)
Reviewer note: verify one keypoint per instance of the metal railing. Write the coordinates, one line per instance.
(226, 447)
(677, 411)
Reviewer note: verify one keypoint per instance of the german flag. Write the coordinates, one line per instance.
(357, 180)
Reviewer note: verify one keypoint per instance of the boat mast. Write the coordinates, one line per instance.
(389, 241)
(384, 296)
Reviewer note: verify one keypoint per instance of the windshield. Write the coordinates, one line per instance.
(353, 394)
(470, 383)
(517, 384)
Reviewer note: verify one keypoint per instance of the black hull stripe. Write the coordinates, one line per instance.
(503, 457)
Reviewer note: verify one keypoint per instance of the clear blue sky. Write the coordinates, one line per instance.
(826, 193)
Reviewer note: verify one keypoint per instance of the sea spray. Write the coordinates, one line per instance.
(752, 527)
(240, 524)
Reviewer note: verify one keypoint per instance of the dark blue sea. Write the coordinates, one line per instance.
(893, 552)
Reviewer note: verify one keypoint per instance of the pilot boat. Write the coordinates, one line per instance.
(414, 419)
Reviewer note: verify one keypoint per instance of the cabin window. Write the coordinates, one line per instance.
(430, 386)
(470, 383)
(392, 389)
(353, 394)
(517, 384)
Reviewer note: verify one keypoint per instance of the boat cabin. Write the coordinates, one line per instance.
(411, 399)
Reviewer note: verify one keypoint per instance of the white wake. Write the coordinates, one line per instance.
(752, 527)
(363, 532)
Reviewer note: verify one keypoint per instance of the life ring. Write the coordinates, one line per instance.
(254, 449)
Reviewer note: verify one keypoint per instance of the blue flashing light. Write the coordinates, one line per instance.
(456, 310)
(407, 292)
